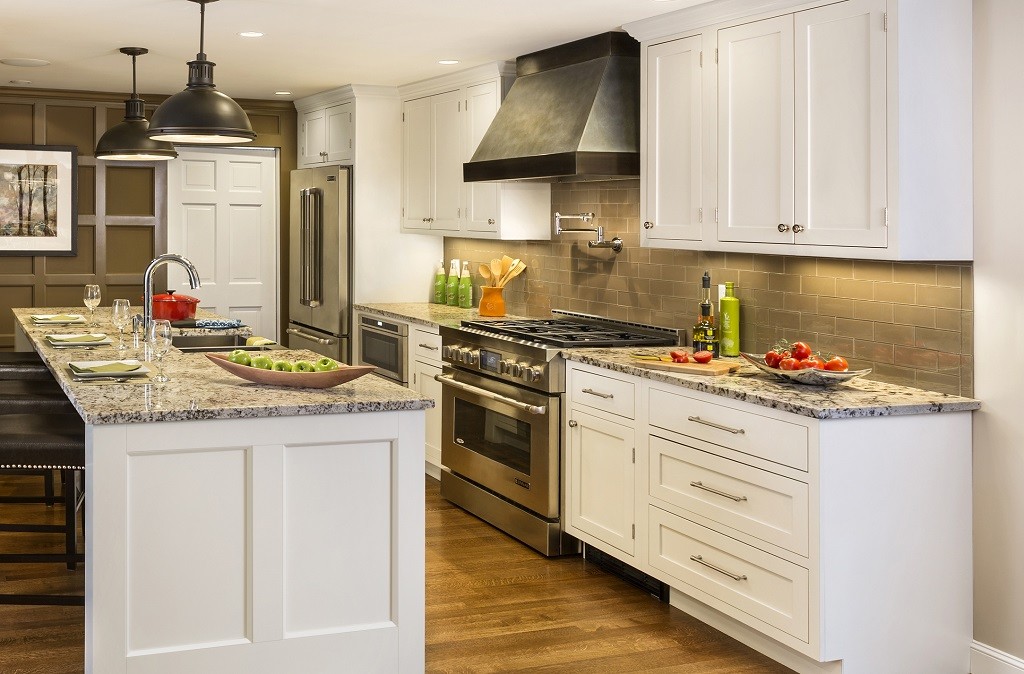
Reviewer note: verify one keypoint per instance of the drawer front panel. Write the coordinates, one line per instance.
(762, 587)
(747, 432)
(603, 393)
(426, 346)
(767, 506)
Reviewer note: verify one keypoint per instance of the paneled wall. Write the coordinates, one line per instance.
(122, 206)
(912, 323)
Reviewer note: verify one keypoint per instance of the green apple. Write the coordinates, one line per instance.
(326, 364)
(303, 366)
(239, 356)
(262, 362)
(282, 366)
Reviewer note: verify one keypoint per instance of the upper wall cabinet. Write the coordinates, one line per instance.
(325, 134)
(443, 121)
(806, 133)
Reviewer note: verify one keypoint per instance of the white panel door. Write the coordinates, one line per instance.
(672, 175)
(313, 131)
(840, 124)
(416, 164)
(223, 215)
(755, 131)
(482, 101)
(446, 150)
(339, 132)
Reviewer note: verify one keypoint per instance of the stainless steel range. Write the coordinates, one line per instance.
(501, 416)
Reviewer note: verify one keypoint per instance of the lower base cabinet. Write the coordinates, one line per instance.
(831, 545)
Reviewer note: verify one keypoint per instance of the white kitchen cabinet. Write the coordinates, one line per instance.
(443, 122)
(821, 129)
(325, 135)
(790, 533)
(424, 364)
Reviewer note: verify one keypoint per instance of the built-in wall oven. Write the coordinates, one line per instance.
(384, 344)
(501, 418)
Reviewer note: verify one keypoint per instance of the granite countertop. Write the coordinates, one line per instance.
(103, 323)
(198, 389)
(855, 398)
(425, 313)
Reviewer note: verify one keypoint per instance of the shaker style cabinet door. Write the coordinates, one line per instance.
(482, 101)
(446, 150)
(840, 124)
(673, 127)
(416, 163)
(313, 130)
(755, 131)
(339, 132)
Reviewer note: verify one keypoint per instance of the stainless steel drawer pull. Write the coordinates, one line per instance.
(712, 424)
(700, 485)
(428, 347)
(607, 396)
(700, 560)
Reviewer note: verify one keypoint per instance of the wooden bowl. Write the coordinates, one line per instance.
(344, 373)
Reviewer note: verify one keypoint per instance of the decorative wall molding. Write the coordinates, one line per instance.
(988, 660)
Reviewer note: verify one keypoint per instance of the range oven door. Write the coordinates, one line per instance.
(503, 438)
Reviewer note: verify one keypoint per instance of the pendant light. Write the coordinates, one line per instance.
(200, 113)
(128, 141)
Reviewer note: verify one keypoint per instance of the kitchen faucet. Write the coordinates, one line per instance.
(615, 244)
(147, 283)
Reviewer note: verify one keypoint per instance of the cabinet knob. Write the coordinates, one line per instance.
(572, 423)
(648, 225)
(426, 220)
(430, 219)
(783, 228)
(797, 229)
(490, 221)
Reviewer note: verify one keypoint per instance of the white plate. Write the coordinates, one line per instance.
(93, 363)
(64, 339)
(809, 376)
(47, 319)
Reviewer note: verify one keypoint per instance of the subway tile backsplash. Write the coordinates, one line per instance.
(910, 322)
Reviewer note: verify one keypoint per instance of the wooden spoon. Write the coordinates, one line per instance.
(485, 271)
(505, 278)
(515, 271)
(495, 270)
(506, 264)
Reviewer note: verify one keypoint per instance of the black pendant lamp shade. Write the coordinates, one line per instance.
(128, 141)
(200, 113)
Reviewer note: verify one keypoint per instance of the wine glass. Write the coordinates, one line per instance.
(91, 297)
(121, 315)
(158, 337)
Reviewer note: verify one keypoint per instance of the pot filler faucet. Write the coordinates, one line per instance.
(147, 283)
(615, 244)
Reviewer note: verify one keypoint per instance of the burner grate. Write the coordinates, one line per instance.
(570, 333)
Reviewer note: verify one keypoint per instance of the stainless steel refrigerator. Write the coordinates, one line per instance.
(320, 261)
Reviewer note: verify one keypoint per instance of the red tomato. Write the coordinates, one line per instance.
(772, 358)
(800, 350)
(676, 355)
(837, 364)
(789, 364)
(815, 361)
(703, 356)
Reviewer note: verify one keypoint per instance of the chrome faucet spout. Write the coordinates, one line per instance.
(147, 282)
(615, 244)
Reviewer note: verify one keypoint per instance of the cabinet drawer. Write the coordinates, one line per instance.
(761, 587)
(603, 393)
(764, 505)
(747, 432)
(426, 346)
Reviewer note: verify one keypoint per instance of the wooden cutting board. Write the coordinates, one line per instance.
(713, 369)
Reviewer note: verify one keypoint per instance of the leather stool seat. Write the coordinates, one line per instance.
(32, 395)
(22, 365)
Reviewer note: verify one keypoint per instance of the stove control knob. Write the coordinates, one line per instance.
(446, 352)
(517, 370)
(505, 366)
(471, 357)
(533, 375)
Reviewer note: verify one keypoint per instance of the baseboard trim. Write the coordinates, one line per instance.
(988, 660)
(432, 470)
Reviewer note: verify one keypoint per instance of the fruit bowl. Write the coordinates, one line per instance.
(344, 373)
(809, 376)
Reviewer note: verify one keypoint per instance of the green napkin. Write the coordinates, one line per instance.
(79, 338)
(108, 367)
(59, 318)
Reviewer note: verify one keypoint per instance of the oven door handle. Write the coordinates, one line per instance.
(447, 380)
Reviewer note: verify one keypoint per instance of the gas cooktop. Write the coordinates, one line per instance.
(573, 333)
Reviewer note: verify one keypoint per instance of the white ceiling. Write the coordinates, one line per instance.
(309, 45)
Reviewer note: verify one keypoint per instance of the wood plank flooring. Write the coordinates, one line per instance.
(493, 605)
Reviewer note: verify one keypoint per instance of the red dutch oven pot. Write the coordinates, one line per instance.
(171, 307)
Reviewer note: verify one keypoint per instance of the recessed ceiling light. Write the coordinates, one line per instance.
(20, 83)
(251, 33)
(282, 93)
(448, 62)
(25, 63)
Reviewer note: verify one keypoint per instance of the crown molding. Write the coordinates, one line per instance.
(344, 93)
(698, 16)
(457, 80)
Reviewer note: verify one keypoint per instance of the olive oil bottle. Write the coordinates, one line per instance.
(705, 334)
(729, 316)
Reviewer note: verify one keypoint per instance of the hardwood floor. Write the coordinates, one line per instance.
(493, 605)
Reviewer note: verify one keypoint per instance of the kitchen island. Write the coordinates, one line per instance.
(234, 527)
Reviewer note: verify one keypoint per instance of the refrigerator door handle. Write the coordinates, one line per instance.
(312, 338)
(311, 289)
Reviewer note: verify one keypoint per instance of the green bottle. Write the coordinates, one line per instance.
(465, 288)
(451, 287)
(729, 321)
(439, 282)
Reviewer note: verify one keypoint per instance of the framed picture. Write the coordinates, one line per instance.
(38, 199)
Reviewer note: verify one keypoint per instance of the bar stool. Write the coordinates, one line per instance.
(53, 441)
(22, 365)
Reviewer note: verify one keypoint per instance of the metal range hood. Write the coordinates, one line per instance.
(572, 114)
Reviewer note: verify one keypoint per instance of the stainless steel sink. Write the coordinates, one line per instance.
(214, 343)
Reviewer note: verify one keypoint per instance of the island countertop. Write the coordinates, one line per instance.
(198, 389)
(854, 398)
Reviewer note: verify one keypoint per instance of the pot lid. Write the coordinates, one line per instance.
(169, 296)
